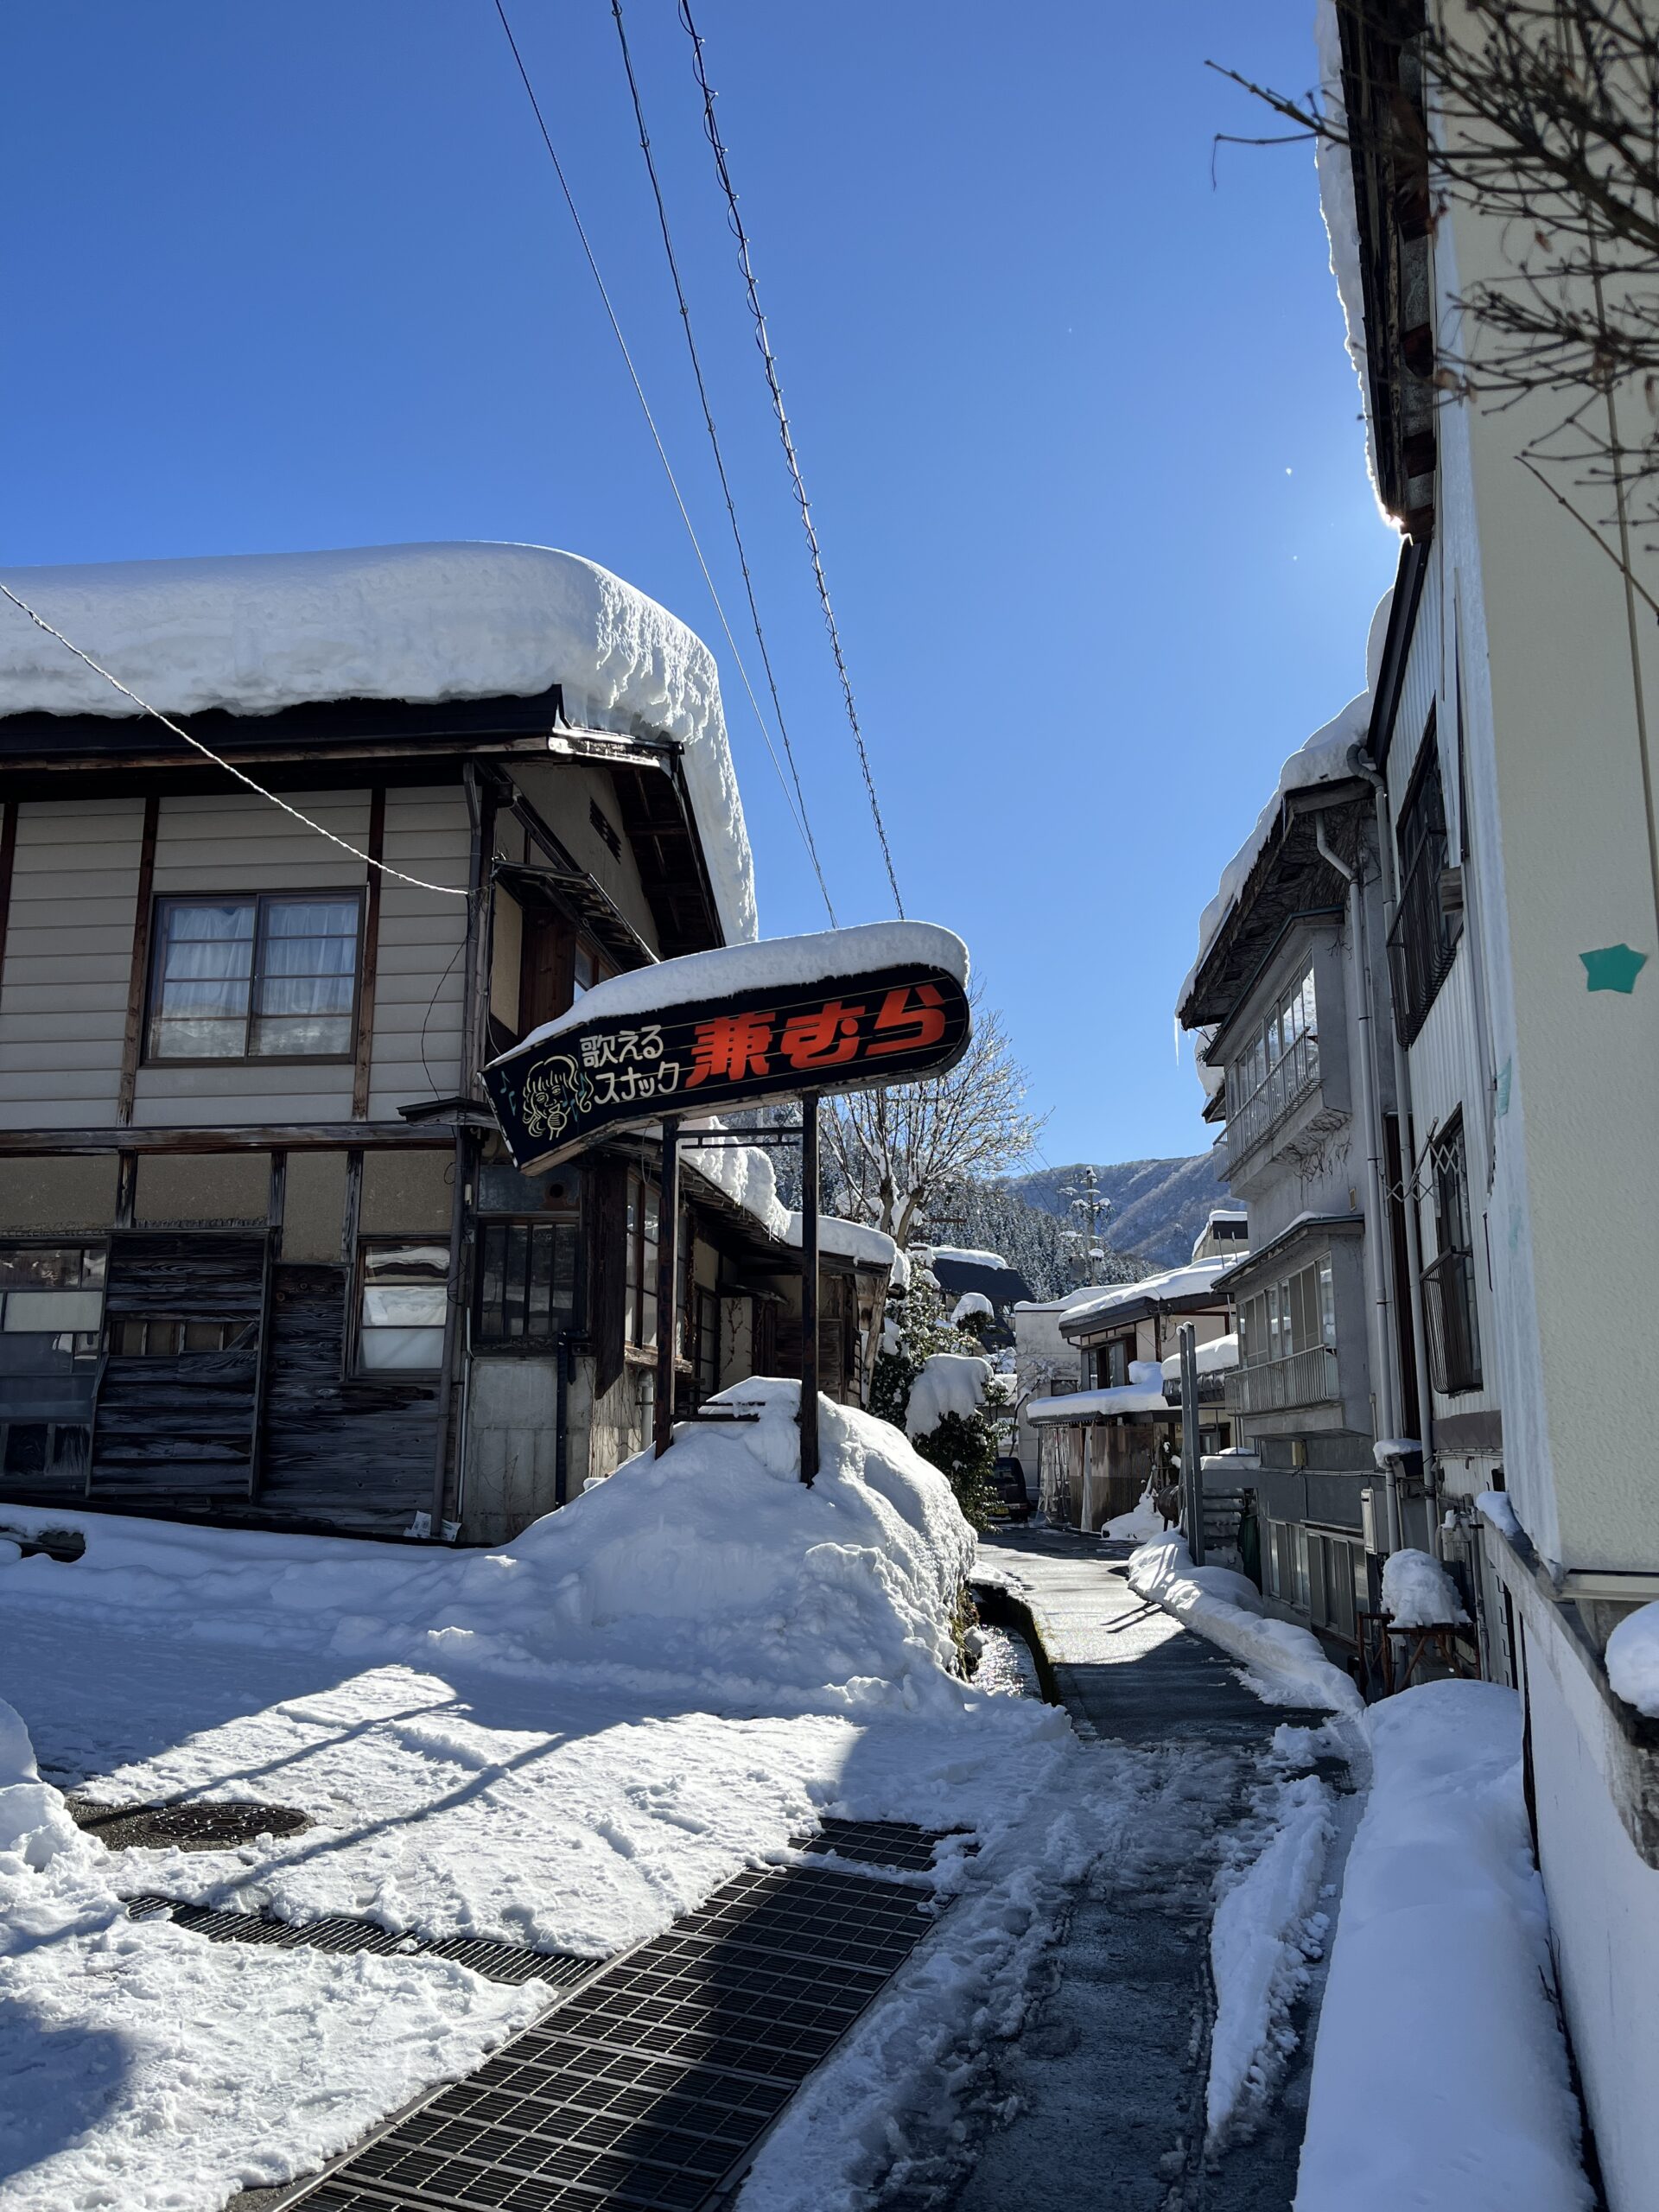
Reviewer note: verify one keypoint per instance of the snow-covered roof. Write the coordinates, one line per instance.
(774, 963)
(255, 632)
(847, 1240)
(1141, 1397)
(1214, 1358)
(1191, 1282)
(1071, 1301)
(968, 1257)
(746, 1174)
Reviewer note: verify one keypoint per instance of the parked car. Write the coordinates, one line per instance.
(1009, 1482)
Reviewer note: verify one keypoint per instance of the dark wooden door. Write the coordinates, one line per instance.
(178, 1401)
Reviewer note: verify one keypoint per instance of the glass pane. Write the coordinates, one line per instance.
(401, 1349)
(402, 1305)
(52, 1313)
(305, 994)
(565, 1267)
(407, 1262)
(517, 1269)
(540, 1316)
(209, 924)
(196, 962)
(311, 917)
(45, 1268)
(162, 1338)
(648, 1317)
(1327, 1305)
(309, 956)
(491, 1249)
(329, 1034)
(200, 1040)
(204, 1336)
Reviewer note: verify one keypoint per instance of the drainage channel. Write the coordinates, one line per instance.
(649, 2082)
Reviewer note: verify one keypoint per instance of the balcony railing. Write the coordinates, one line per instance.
(1304, 1378)
(1285, 1085)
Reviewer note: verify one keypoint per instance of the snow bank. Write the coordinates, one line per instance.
(713, 1566)
(1286, 1664)
(776, 964)
(1266, 1929)
(34, 1827)
(1498, 1507)
(254, 633)
(1633, 1660)
(1438, 2013)
(949, 1383)
(1418, 1592)
(1140, 1525)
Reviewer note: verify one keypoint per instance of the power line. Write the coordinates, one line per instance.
(712, 129)
(650, 420)
(713, 440)
(41, 623)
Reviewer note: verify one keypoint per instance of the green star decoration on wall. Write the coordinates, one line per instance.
(1615, 968)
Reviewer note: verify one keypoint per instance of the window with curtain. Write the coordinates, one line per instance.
(273, 976)
(402, 1298)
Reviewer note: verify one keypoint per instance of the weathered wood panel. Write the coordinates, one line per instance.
(63, 997)
(353, 1455)
(180, 1426)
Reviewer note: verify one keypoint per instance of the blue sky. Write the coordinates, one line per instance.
(1079, 430)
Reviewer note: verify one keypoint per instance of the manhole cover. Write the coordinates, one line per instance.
(184, 1827)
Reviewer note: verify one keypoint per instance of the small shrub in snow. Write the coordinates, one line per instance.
(963, 1449)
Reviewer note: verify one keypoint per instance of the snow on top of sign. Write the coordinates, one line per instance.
(777, 963)
(253, 633)
(1325, 758)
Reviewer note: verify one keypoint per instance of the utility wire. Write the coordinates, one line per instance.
(713, 440)
(745, 262)
(650, 420)
(39, 621)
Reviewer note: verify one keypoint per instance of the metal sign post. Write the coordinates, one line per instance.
(809, 1414)
(1191, 1472)
(668, 1282)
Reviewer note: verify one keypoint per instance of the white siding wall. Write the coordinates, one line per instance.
(423, 956)
(233, 842)
(63, 999)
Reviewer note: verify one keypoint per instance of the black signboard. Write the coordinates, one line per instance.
(889, 1024)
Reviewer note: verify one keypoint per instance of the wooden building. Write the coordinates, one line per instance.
(263, 1258)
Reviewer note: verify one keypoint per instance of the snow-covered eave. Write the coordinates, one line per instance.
(1125, 1399)
(1231, 958)
(1182, 1290)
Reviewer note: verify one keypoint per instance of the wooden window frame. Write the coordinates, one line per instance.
(356, 1371)
(163, 901)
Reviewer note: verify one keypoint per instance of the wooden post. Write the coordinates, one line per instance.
(667, 1281)
(809, 1413)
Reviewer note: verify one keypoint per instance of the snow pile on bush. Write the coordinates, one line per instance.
(949, 1383)
(714, 1566)
(1418, 1592)
(1439, 2011)
(1288, 1665)
(973, 1305)
(1633, 1660)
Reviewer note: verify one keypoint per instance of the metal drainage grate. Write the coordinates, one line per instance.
(510, 1962)
(648, 2090)
(183, 1827)
(877, 1843)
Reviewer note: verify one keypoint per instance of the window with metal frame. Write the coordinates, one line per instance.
(1287, 1340)
(1276, 1067)
(526, 1282)
(402, 1297)
(1449, 1297)
(1429, 921)
(271, 975)
(51, 1335)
